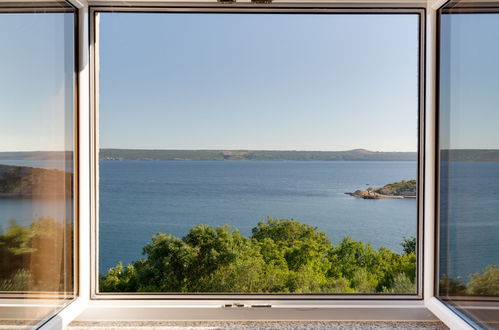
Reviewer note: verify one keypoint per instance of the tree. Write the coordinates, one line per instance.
(282, 255)
(409, 245)
(401, 284)
(301, 245)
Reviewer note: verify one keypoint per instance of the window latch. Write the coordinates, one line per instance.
(235, 305)
(252, 1)
(239, 305)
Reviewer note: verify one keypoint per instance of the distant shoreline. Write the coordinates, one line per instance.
(255, 155)
(452, 155)
(250, 160)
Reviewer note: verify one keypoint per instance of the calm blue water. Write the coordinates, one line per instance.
(141, 198)
(469, 217)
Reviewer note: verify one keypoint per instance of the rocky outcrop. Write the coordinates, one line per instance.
(397, 190)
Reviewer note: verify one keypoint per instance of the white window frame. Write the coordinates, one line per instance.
(89, 306)
(298, 8)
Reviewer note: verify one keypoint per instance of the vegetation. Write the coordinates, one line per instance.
(402, 189)
(409, 245)
(357, 154)
(281, 256)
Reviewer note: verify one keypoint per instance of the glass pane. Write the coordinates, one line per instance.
(37, 65)
(469, 167)
(258, 153)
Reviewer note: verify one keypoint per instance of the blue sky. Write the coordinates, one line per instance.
(198, 81)
(289, 82)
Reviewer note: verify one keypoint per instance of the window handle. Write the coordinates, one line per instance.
(239, 305)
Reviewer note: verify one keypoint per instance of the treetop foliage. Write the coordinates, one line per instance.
(281, 256)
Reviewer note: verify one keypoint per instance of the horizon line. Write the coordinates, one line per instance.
(221, 149)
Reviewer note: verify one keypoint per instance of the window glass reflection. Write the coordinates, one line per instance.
(469, 167)
(37, 64)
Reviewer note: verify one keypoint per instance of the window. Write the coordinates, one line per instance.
(246, 152)
(469, 143)
(239, 153)
(299, 130)
(37, 161)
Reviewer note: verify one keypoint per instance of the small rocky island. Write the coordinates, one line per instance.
(397, 190)
(31, 182)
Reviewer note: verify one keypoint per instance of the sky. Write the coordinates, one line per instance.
(247, 81)
(267, 81)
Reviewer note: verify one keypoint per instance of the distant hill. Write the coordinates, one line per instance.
(350, 155)
(36, 155)
(463, 155)
(470, 155)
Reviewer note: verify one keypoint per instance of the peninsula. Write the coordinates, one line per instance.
(30, 182)
(397, 190)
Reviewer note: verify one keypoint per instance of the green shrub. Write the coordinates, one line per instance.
(281, 256)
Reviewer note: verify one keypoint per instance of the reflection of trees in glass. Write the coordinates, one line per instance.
(281, 256)
(482, 283)
(36, 258)
(485, 283)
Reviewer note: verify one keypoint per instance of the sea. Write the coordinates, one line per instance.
(138, 199)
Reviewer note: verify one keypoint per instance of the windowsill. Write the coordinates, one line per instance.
(161, 310)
